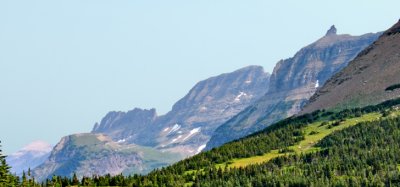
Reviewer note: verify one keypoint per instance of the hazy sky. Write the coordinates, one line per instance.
(65, 63)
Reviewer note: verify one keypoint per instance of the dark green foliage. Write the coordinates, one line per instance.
(392, 87)
(286, 150)
(6, 178)
(364, 155)
(324, 123)
(367, 154)
(4, 169)
(385, 113)
(334, 124)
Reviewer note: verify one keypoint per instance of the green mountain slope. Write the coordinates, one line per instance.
(358, 146)
(292, 83)
(90, 154)
(351, 147)
(354, 147)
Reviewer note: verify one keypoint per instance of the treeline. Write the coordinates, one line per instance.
(364, 155)
(367, 154)
(6, 178)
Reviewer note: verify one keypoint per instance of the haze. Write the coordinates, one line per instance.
(65, 64)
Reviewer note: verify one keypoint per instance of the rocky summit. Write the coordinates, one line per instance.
(371, 78)
(191, 122)
(293, 82)
(139, 140)
(90, 154)
(215, 111)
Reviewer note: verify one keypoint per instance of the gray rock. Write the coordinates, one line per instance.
(89, 154)
(191, 122)
(139, 141)
(366, 79)
(125, 126)
(292, 83)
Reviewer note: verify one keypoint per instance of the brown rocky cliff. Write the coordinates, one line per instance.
(364, 81)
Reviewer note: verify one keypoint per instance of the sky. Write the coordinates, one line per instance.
(65, 63)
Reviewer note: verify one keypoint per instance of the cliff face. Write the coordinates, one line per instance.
(123, 126)
(216, 110)
(293, 82)
(369, 79)
(188, 126)
(193, 119)
(138, 141)
(96, 154)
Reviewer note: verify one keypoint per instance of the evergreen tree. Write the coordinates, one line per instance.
(75, 180)
(6, 179)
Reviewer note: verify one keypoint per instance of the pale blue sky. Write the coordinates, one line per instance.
(65, 64)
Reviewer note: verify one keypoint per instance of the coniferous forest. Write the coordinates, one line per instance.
(364, 154)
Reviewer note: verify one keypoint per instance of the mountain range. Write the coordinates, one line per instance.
(215, 111)
(373, 77)
(293, 82)
(29, 157)
(88, 154)
(139, 140)
(193, 119)
(340, 138)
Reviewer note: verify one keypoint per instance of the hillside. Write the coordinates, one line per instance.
(89, 154)
(357, 147)
(348, 147)
(371, 78)
(236, 100)
(293, 82)
(139, 140)
(193, 119)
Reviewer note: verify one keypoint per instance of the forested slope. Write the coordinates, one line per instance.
(352, 147)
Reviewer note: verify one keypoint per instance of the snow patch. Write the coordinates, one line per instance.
(193, 131)
(317, 84)
(175, 139)
(174, 128)
(202, 109)
(166, 129)
(241, 94)
(201, 148)
(121, 140)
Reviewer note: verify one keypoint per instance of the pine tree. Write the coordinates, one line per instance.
(24, 180)
(75, 180)
(5, 176)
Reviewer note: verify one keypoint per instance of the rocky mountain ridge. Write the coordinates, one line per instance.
(193, 119)
(293, 82)
(369, 79)
(139, 140)
(216, 110)
(89, 154)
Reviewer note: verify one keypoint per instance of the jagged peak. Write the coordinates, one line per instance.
(331, 31)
